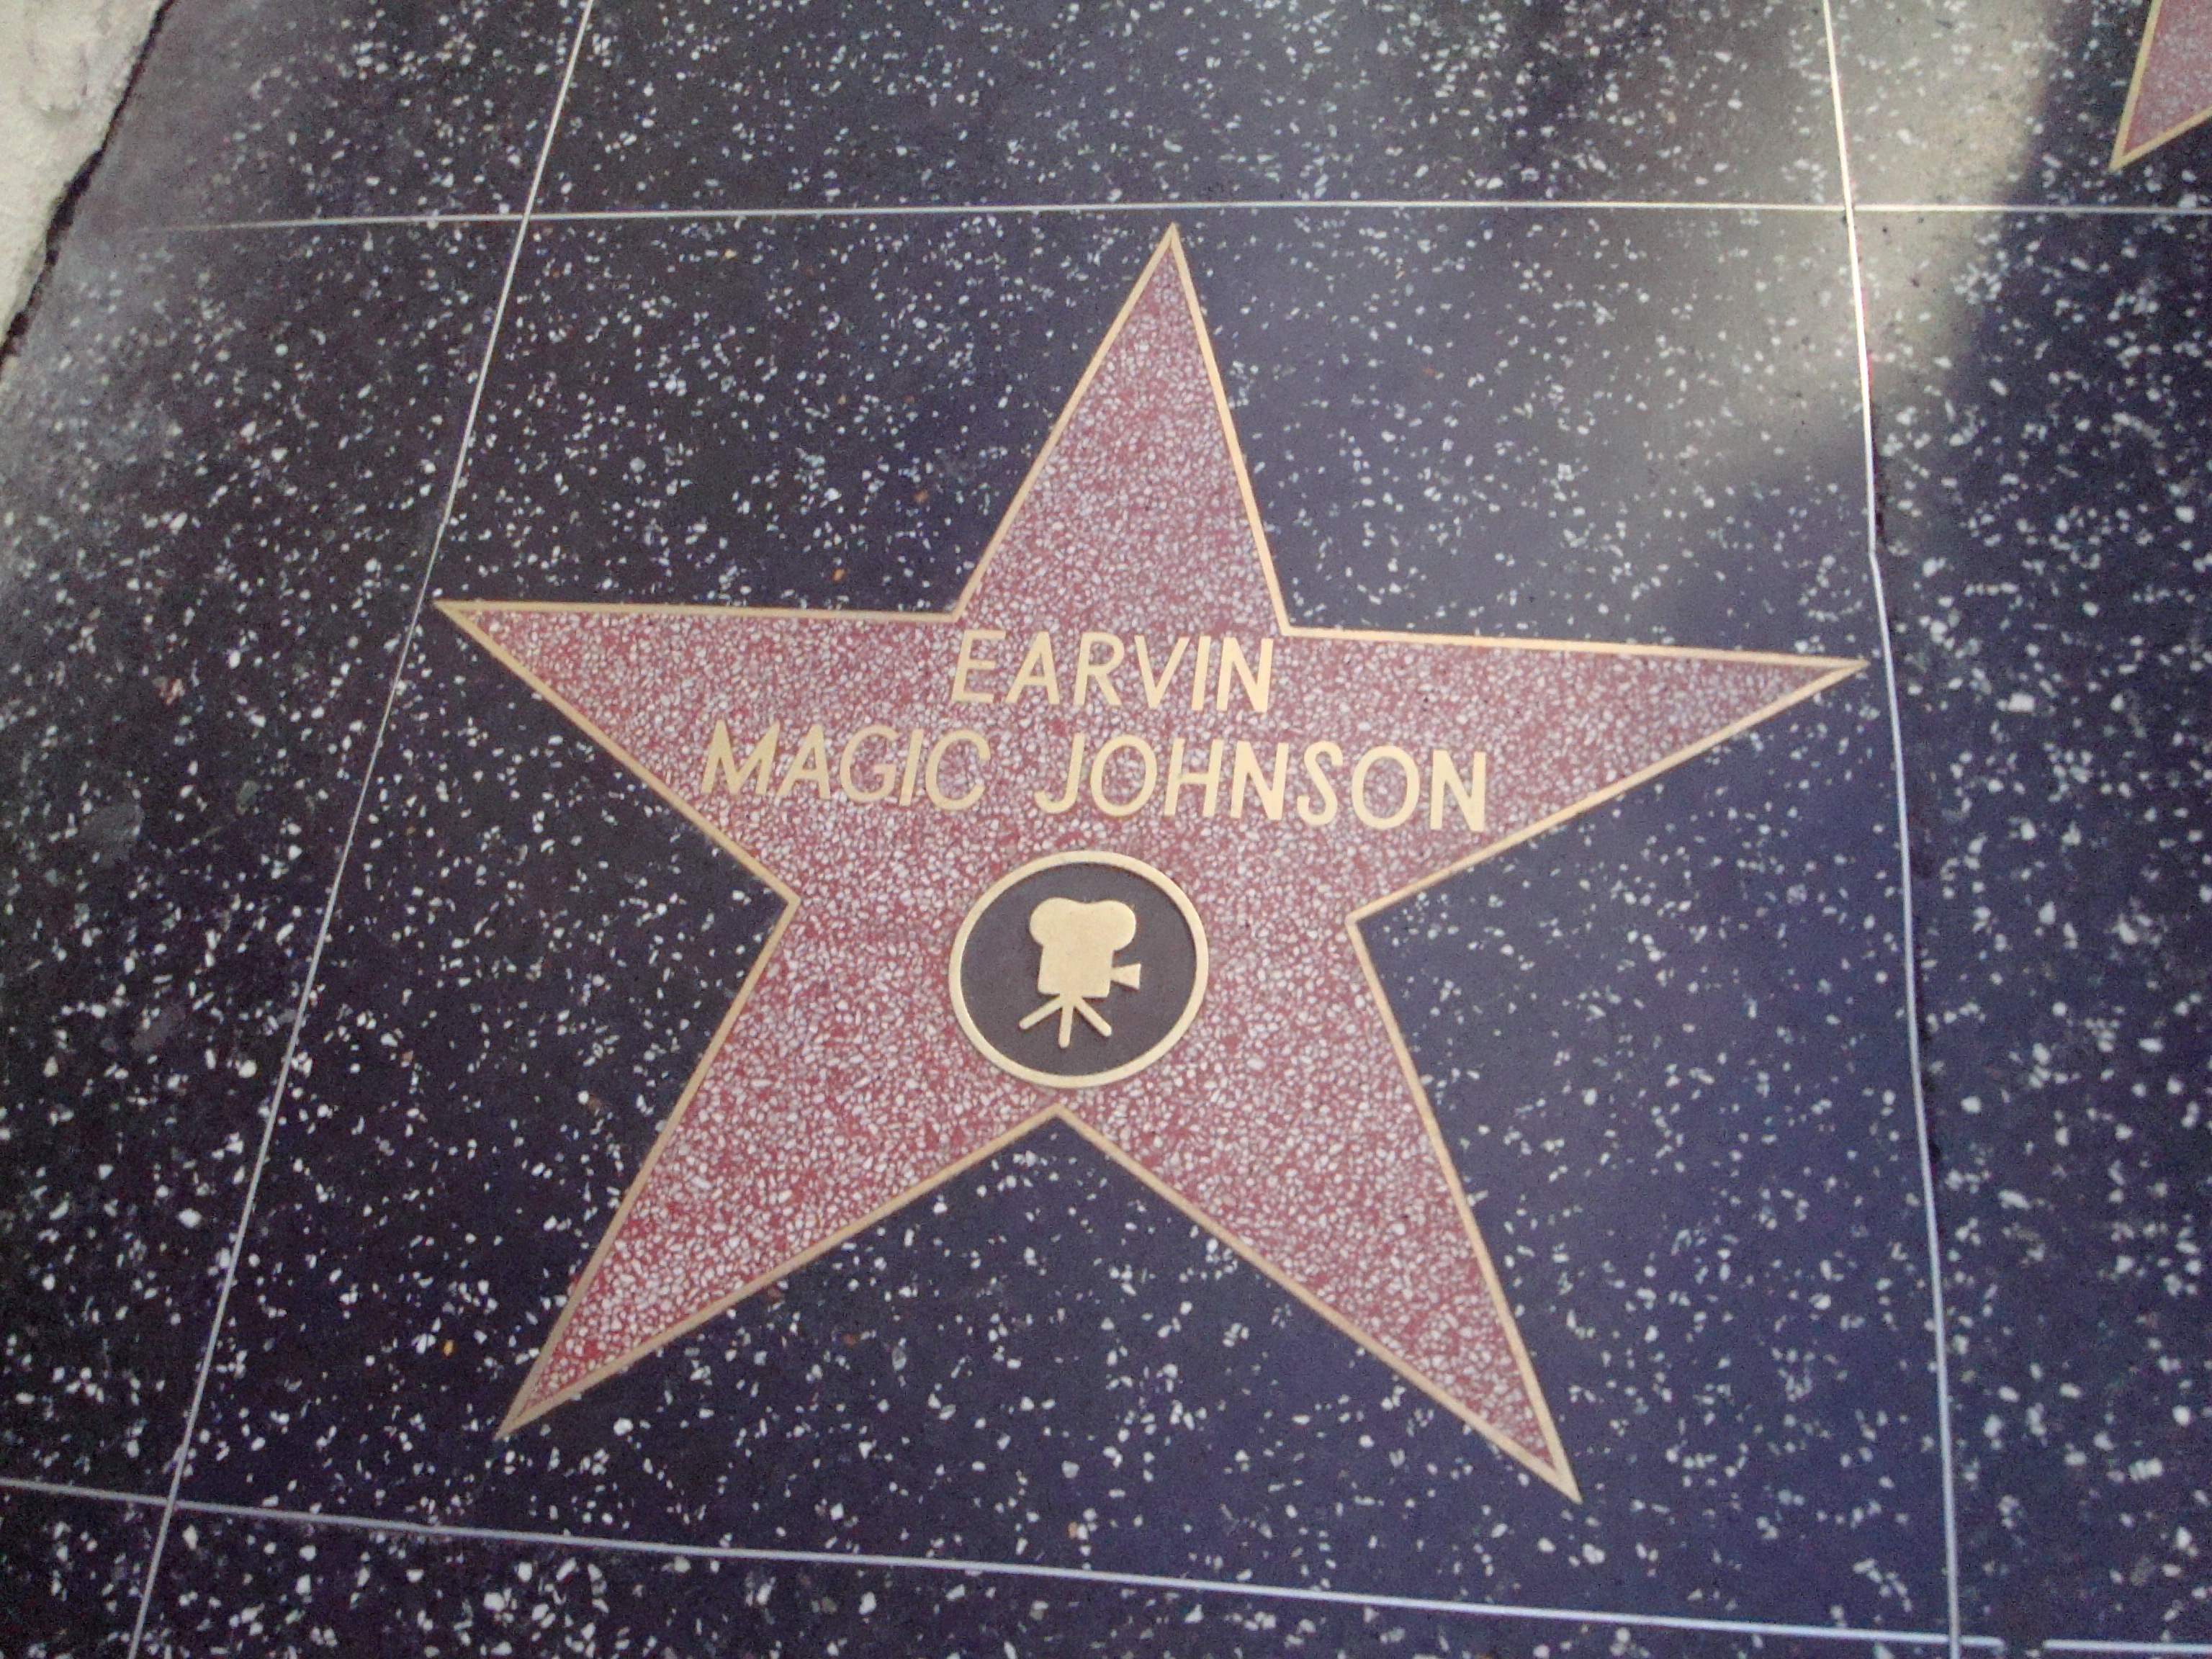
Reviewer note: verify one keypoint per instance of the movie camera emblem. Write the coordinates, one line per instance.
(1078, 970)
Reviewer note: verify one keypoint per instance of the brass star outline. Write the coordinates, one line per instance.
(505, 631)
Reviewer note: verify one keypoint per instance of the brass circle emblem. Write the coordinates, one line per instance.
(1078, 970)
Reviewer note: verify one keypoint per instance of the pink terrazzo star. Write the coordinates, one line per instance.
(1289, 1118)
(2172, 91)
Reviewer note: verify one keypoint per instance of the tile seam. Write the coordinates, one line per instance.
(2047, 210)
(988, 209)
(70, 1489)
(585, 1542)
(1353, 204)
(1230, 204)
(1907, 926)
(845, 1559)
(273, 1114)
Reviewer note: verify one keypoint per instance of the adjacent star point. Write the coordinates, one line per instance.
(2171, 91)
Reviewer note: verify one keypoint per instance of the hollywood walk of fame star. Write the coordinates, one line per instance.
(2171, 91)
(1120, 680)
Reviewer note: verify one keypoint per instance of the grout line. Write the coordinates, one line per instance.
(1271, 205)
(341, 221)
(275, 1113)
(2052, 210)
(1342, 204)
(1909, 947)
(65, 1489)
(839, 1558)
(1022, 1569)
(994, 209)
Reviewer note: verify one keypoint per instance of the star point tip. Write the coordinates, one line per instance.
(1551, 1466)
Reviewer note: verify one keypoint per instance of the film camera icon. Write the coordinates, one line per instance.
(1077, 968)
(1062, 917)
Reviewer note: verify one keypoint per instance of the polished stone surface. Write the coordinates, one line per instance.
(256, 1586)
(2047, 501)
(774, 104)
(1666, 1042)
(224, 460)
(1529, 426)
(1989, 101)
(267, 109)
(72, 1572)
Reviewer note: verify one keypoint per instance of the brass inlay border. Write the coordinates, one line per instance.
(1551, 1465)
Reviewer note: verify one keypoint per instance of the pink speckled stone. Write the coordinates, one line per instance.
(1285, 1117)
(2173, 79)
